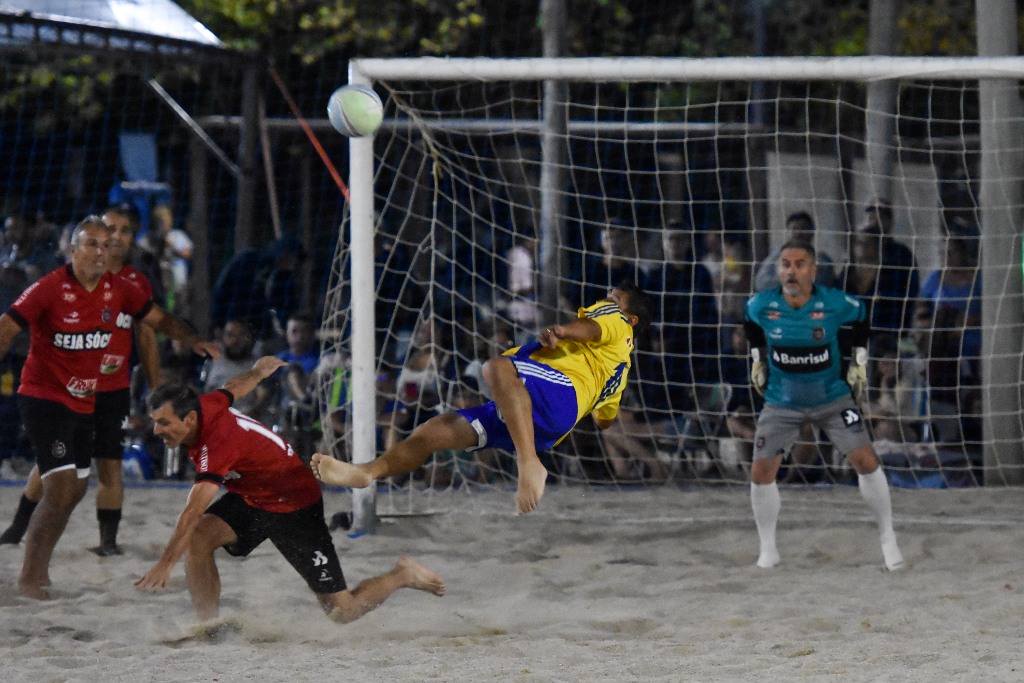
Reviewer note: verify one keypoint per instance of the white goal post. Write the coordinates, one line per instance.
(814, 140)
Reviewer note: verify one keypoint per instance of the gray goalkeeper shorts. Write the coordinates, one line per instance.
(779, 428)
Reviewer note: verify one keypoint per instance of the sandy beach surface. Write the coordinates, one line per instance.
(597, 585)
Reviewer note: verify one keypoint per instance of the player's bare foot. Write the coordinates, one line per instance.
(34, 590)
(337, 473)
(420, 578)
(532, 476)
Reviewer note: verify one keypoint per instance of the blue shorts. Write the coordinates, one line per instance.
(554, 409)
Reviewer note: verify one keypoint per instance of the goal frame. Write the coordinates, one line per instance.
(1000, 179)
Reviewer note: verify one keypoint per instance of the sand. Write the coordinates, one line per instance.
(597, 585)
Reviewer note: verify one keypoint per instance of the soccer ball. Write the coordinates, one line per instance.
(355, 111)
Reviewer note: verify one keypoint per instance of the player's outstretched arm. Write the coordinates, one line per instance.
(264, 367)
(199, 498)
(177, 329)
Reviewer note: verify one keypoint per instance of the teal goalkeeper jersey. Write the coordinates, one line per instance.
(805, 364)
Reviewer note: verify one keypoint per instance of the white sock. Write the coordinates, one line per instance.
(765, 501)
(874, 489)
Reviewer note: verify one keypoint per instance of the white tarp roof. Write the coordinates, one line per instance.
(156, 17)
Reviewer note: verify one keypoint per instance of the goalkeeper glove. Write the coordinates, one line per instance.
(857, 373)
(758, 372)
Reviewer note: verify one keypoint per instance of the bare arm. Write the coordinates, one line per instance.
(579, 330)
(264, 367)
(9, 329)
(199, 498)
(149, 354)
(176, 328)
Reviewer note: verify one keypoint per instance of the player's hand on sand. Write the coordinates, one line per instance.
(154, 580)
(337, 473)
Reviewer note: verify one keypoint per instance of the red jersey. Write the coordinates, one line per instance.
(249, 459)
(116, 367)
(70, 329)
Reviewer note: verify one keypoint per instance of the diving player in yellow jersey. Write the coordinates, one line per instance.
(541, 391)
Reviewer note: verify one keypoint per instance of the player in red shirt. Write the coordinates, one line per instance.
(113, 400)
(270, 494)
(72, 314)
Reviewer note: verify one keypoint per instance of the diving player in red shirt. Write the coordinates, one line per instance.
(271, 494)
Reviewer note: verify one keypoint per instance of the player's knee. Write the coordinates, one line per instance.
(863, 460)
(497, 369)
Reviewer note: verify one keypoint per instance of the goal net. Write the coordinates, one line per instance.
(501, 195)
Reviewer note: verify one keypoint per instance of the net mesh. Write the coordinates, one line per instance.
(685, 189)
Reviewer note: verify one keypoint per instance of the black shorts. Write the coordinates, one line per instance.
(301, 536)
(112, 408)
(61, 438)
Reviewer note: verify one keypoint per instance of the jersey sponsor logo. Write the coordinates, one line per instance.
(80, 388)
(107, 296)
(773, 315)
(817, 315)
(72, 318)
(124, 321)
(110, 364)
(851, 417)
(802, 359)
(81, 341)
(319, 559)
(70, 297)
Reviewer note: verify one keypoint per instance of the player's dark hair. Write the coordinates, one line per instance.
(126, 210)
(182, 397)
(639, 305)
(797, 243)
(303, 317)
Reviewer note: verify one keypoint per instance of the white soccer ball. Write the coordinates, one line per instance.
(355, 110)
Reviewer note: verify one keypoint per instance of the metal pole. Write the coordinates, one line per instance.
(363, 344)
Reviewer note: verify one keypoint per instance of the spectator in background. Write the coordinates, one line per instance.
(238, 353)
(522, 286)
(889, 291)
(729, 265)
(957, 286)
(296, 404)
(617, 262)
(683, 367)
(894, 254)
(259, 285)
(29, 242)
(896, 392)
(799, 226)
(173, 248)
(950, 306)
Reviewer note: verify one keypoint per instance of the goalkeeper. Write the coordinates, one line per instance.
(794, 333)
(541, 391)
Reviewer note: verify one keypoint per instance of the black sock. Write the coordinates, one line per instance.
(109, 521)
(19, 526)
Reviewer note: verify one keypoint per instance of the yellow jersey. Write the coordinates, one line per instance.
(597, 370)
